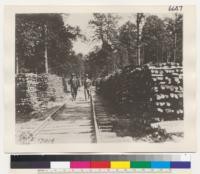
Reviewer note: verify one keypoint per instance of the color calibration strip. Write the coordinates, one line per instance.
(102, 164)
(120, 165)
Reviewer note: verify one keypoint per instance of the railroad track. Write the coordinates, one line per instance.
(106, 122)
(71, 123)
(81, 121)
(78, 122)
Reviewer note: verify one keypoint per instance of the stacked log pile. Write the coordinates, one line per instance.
(26, 93)
(155, 91)
(166, 84)
(42, 87)
(33, 92)
(55, 89)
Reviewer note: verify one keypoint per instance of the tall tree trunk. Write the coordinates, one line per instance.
(45, 49)
(175, 38)
(138, 22)
(138, 33)
(17, 65)
(162, 53)
(138, 53)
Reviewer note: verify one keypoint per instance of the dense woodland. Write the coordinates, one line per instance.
(44, 44)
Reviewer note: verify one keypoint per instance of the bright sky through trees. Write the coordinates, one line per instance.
(82, 21)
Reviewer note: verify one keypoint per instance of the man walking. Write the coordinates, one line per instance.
(87, 87)
(74, 84)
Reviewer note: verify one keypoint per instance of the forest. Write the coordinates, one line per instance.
(44, 43)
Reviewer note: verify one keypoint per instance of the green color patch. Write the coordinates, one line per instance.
(140, 164)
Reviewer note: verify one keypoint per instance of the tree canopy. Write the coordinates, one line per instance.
(44, 39)
(34, 32)
(147, 38)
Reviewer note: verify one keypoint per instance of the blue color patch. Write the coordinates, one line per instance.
(160, 164)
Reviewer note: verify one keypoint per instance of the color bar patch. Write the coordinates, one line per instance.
(30, 165)
(180, 165)
(100, 164)
(160, 164)
(80, 164)
(120, 164)
(59, 165)
(140, 164)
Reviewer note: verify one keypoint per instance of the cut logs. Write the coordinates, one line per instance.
(151, 91)
(34, 91)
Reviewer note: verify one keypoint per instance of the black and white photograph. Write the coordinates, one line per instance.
(99, 77)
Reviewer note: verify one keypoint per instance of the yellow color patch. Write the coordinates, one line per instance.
(120, 164)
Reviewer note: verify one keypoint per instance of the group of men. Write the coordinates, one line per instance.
(74, 83)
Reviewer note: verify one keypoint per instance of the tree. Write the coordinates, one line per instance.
(105, 31)
(162, 39)
(43, 43)
(28, 41)
(168, 40)
(178, 38)
(128, 43)
(97, 63)
(152, 39)
(104, 26)
(139, 18)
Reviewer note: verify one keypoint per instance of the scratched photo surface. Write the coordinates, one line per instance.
(99, 77)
